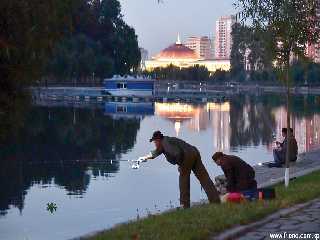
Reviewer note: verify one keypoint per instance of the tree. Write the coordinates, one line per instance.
(249, 47)
(101, 42)
(291, 24)
(239, 46)
(29, 30)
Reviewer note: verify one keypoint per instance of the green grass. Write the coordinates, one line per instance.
(203, 221)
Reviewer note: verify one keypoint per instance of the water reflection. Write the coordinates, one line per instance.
(118, 110)
(200, 117)
(67, 147)
(306, 129)
(58, 147)
(246, 121)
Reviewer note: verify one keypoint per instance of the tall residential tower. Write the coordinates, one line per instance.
(200, 45)
(223, 38)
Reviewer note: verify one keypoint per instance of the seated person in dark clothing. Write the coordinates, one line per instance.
(279, 153)
(240, 175)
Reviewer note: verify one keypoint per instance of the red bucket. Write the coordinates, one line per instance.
(235, 197)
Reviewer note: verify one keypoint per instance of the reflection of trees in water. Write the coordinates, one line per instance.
(252, 121)
(305, 106)
(13, 107)
(59, 146)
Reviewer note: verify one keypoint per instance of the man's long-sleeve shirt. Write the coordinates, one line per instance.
(240, 175)
(174, 150)
(293, 148)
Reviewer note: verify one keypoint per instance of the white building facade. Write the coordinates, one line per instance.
(201, 46)
(223, 38)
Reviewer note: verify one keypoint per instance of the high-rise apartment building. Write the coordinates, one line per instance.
(223, 38)
(200, 45)
(313, 50)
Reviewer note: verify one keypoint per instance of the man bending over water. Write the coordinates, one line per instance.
(188, 158)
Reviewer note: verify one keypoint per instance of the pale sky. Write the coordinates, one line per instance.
(157, 24)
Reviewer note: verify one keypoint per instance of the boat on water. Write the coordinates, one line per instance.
(129, 86)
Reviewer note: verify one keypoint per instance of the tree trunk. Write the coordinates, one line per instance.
(287, 165)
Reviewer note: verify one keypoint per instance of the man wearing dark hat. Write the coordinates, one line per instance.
(240, 175)
(187, 157)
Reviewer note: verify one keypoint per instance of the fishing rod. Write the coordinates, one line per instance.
(81, 161)
(135, 163)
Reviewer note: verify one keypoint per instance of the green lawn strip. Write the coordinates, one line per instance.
(204, 220)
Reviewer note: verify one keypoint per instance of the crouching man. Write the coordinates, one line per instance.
(187, 157)
(240, 176)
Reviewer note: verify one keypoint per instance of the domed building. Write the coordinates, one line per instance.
(177, 52)
(181, 56)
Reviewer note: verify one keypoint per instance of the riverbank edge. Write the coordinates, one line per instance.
(234, 228)
(160, 91)
(237, 231)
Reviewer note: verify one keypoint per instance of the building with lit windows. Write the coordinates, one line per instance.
(201, 46)
(181, 56)
(223, 37)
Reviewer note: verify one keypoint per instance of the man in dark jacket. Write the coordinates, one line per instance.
(187, 157)
(240, 175)
(279, 153)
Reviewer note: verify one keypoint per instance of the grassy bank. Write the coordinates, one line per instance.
(202, 221)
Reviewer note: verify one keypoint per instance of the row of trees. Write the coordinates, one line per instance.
(63, 39)
(254, 52)
(171, 72)
(301, 73)
(29, 29)
(101, 43)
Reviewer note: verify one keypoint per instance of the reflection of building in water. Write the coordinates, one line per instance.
(220, 118)
(176, 112)
(200, 117)
(306, 129)
(118, 110)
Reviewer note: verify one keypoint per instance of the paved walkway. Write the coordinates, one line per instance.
(303, 220)
(306, 220)
(265, 176)
(306, 162)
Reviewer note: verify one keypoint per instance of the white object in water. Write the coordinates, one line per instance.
(135, 165)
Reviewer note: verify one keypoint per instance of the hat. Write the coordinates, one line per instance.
(217, 155)
(156, 135)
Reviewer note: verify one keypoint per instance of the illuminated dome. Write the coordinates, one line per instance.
(177, 51)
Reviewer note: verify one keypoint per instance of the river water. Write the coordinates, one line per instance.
(62, 155)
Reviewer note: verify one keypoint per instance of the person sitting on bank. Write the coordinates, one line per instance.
(240, 176)
(188, 158)
(279, 153)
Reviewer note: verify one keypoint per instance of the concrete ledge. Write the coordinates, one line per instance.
(292, 175)
(240, 230)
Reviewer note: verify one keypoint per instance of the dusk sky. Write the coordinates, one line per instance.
(157, 24)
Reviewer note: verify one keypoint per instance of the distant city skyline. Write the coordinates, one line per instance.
(157, 24)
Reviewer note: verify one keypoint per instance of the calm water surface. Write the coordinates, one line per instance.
(59, 154)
